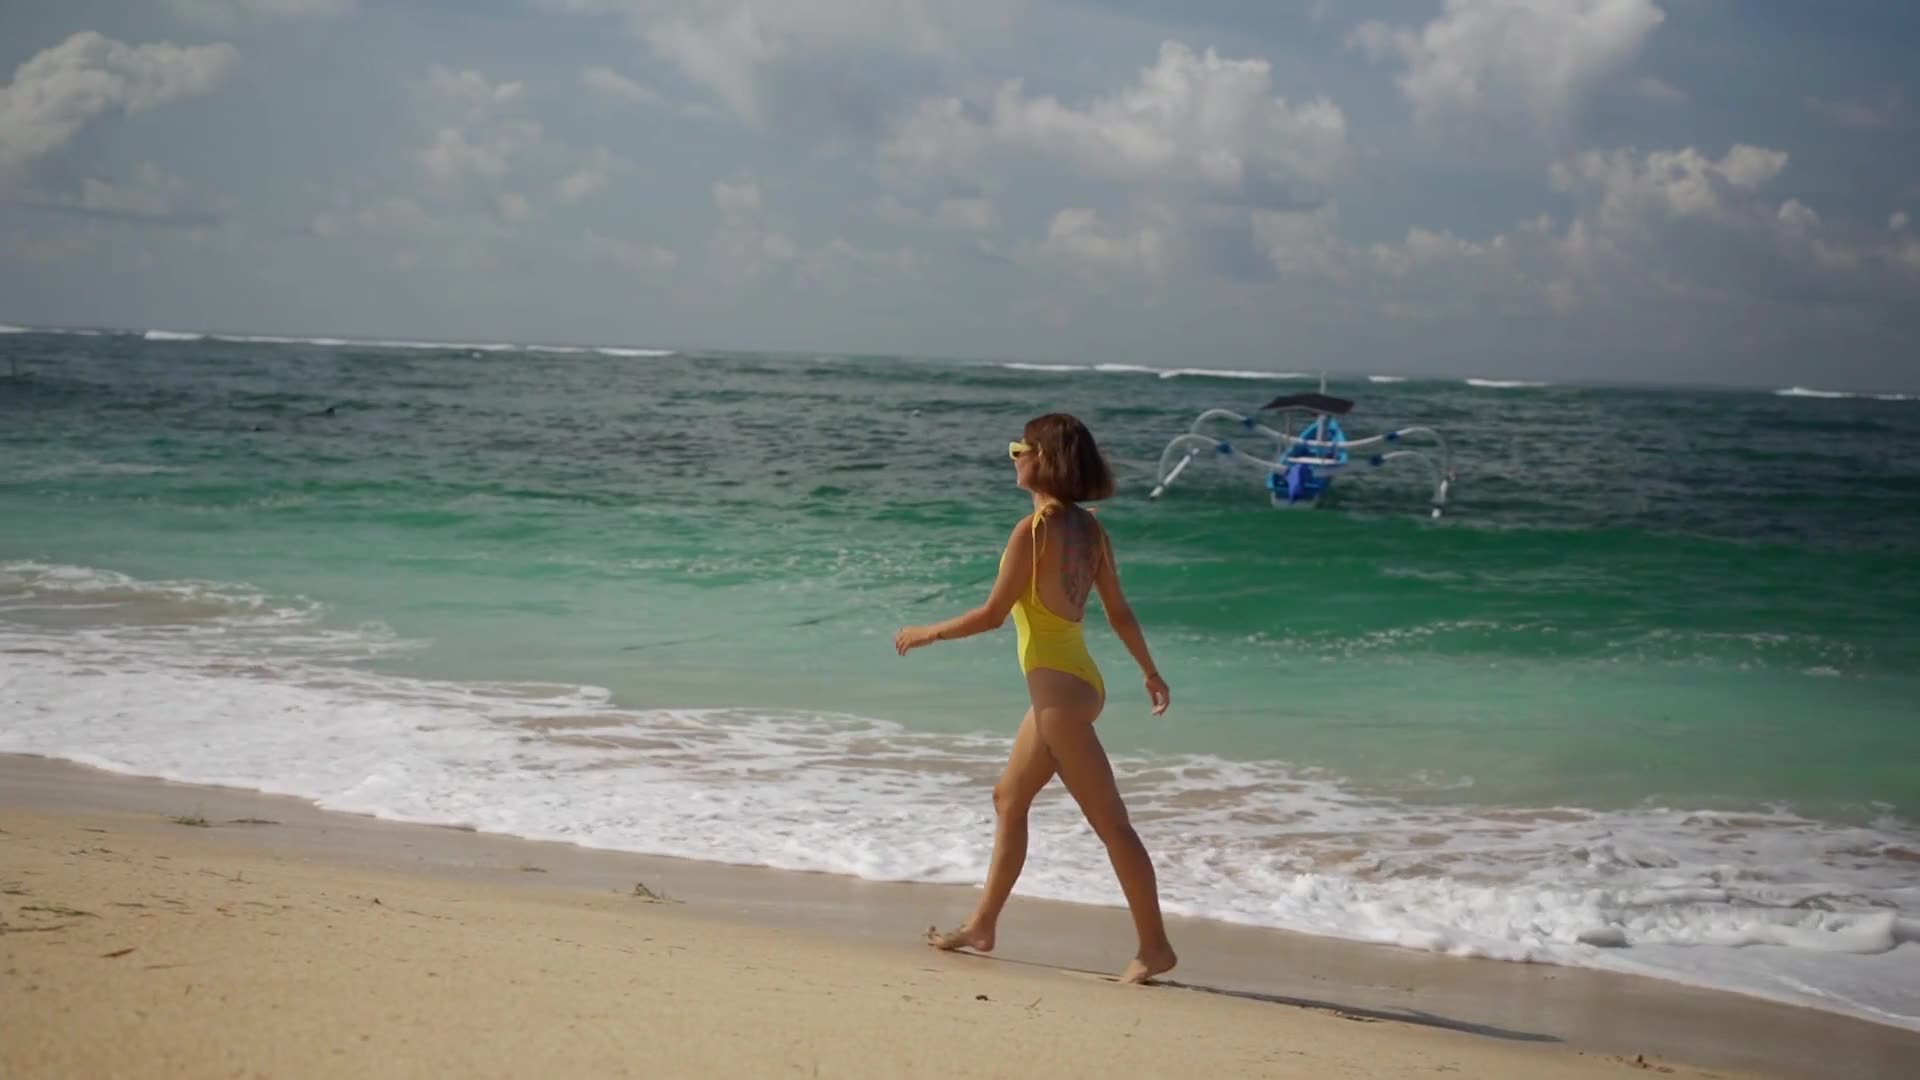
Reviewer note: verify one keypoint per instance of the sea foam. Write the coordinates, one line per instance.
(1142, 369)
(222, 683)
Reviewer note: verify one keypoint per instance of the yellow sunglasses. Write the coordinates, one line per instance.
(1015, 449)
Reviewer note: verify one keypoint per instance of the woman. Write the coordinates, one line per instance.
(1055, 557)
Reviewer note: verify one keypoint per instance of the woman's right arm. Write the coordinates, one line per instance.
(1016, 566)
(1120, 616)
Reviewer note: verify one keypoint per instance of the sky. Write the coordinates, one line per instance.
(1691, 191)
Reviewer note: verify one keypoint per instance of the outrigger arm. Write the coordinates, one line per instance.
(1184, 448)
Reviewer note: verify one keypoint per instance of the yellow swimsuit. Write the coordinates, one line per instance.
(1045, 639)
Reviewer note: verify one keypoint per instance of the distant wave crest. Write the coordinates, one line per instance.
(1506, 384)
(1834, 395)
(1164, 373)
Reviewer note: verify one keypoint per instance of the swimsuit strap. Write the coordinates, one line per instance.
(1033, 564)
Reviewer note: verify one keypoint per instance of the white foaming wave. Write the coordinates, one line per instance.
(335, 342)
(1506, 384)
(1142, 369)
(611, 351)
(203, 605)
(1832, 395)
(90, 467)
(1220, 373)
(251, 691)
(438, 346)
(7, 329)
(369, 343)
(1386, 378)
(273, 339)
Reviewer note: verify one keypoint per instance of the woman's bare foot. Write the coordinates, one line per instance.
(1145, 966)
(966, 937)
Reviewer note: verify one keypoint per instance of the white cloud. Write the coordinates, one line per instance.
(969, 215)
(61, 90)
(1422, 247)
(737, 200)
(724, 55)
(484, 127)
(1677, 225)
(486, 137)
(838, 255)
(512, 206)
(1663, 230)
(1506, 65)
(895, 212)
(635, 258)
(751, 242)
(230, 14)
(1195, 120)
(405, 233)
(617, 87)
(1899, 221)
(1301, 241)
(1078, 235)
(1225, 174)
(151, 194)
(486, 175)
(390, 217)
(469, 94)
(1624, 184)
(763, 57)
(1798, 216)
(591, 178)
(1655, 88)
(453, 156)
(961, 214)
(747, 243)
(1860, 114)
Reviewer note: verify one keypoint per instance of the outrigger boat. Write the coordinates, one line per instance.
(1305, 462)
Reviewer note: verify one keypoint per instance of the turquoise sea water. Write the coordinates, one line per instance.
(1646, 697)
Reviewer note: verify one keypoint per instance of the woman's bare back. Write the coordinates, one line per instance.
(1071, 545)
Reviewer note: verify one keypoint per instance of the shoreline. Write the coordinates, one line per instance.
(1576, 1016)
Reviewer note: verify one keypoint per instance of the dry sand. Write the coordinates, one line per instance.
(301, 943)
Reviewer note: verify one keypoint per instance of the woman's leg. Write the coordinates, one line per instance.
(1027, 772)
(1064, 708)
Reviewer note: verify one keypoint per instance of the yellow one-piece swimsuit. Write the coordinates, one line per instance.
(1045, 639)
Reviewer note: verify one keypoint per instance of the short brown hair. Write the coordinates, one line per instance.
(1071, 467)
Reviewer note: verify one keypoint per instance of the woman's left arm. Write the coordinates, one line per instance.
(1015, 567)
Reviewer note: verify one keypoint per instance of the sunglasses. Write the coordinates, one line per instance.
(1015, 449)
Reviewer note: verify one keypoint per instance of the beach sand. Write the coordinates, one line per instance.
(156, 929)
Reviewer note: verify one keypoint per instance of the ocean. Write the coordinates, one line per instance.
(1646, 697)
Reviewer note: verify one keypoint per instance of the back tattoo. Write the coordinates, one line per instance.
(1080, 550)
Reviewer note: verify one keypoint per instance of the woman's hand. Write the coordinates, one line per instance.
(912, 637)
(1158, 693)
